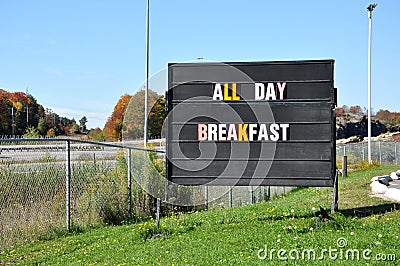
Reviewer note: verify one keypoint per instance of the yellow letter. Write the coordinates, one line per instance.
(234, 96)
(242, 132)
(226, 93)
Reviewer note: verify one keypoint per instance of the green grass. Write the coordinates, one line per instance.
(235, 236)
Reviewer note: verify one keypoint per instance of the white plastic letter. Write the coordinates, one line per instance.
(217, 95)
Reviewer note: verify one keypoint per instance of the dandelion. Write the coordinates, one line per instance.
(379, 235)
(352, 233)
(292, 211)
(313, 209)
(278, 240)
(311, 229)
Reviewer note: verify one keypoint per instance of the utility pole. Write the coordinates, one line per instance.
(12, 121)
(370, 8)
(27, 116)
(146, 89)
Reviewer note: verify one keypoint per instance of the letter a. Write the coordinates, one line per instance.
(271, 94)
(217, 95)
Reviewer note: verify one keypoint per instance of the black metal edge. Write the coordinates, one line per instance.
(168, 167)
(278, 62)
(333, 127)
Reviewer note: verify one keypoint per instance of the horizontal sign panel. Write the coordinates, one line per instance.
(270, 181)
(252, 169)
(234, 112)
(251, 151)
(296, 132)
(263, 123)
(316, 70)
(292, 90)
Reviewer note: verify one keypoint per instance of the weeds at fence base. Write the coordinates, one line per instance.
(361, 165)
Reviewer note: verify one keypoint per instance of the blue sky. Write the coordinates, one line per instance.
(79, 57)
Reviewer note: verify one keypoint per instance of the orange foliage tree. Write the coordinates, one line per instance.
(127, 119)
(113, 126)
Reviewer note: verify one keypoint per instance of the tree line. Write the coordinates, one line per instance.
(21, 114)
(386, 116)
(127, 119)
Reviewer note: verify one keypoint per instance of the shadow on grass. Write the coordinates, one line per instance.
(370, 210)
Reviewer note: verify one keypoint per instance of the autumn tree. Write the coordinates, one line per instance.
(82, 123)
(157, 117)
(97, 134)
(134, 115)
(383, 115)
(113, 126)
(339, 112)
(31, 132)
(42, 126)
(127, 118)
(356, 110)
(387, 116)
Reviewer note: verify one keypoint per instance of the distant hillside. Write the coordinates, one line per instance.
(352, 121)
(21, 114)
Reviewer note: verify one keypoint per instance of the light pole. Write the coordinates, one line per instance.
(12, 121)
(370, 8)
(146, 86)
(27, 116)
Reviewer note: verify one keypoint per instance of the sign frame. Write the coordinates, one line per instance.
(315, 68)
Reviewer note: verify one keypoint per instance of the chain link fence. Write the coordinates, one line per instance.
(384, 152)
(50, 186)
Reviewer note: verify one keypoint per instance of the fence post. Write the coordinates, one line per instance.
(251, 195)
(262, 193)
(206, 197)
(363, 153)
(344, 166)
(158, 213)
(380, 152)
(68, 185)
(344, 150)
(94, 160)
(230, 197)
(335, 193)
(129, 185)
(395, 152)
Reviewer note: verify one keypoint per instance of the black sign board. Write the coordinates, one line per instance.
(251, 123)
